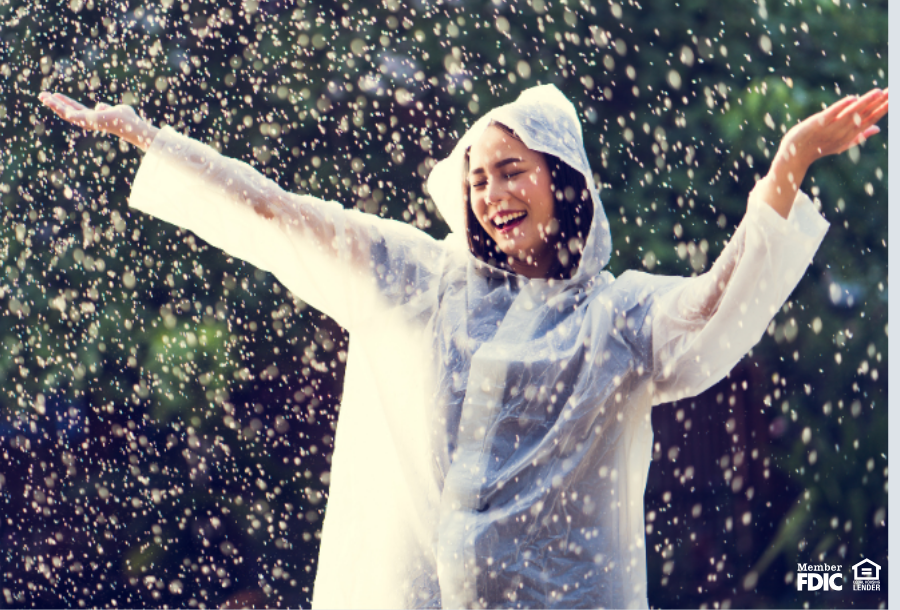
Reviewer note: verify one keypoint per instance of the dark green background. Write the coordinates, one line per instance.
(167, 412)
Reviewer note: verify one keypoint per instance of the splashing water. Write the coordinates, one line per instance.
(168, 413)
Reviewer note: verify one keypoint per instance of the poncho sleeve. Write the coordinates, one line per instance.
(345, 263)
(702, 326)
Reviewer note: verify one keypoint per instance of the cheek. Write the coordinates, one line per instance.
(542, 198)
(478, 208)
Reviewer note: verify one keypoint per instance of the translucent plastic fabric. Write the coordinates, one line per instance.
(494, 436)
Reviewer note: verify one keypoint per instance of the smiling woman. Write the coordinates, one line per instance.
(532, 206)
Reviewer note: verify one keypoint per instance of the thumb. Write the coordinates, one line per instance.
(871, 131)
(868, 133)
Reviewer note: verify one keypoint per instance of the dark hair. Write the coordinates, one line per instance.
(573, 210)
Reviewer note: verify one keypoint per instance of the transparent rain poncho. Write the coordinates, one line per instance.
(494, 436)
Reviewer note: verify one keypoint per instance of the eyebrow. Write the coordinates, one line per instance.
(498, 165)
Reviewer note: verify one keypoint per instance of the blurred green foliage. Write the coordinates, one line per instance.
(168, 412)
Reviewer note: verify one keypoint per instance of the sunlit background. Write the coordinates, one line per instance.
(167, 413)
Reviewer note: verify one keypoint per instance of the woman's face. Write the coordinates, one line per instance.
(511, 196)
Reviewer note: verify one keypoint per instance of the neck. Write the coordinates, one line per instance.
(536, 269)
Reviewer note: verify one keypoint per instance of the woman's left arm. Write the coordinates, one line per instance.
(830, 132)
(702, 326)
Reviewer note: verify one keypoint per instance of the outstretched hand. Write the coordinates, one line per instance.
(121, 120)
(834, 130)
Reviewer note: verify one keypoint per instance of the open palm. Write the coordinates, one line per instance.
(121, 120)
(111, 119)
(835, 129)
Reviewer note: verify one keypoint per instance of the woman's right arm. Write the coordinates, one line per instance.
(340, 261)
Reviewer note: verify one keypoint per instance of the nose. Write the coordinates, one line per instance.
(496, 192)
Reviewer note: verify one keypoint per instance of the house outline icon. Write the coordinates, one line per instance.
(858, 573)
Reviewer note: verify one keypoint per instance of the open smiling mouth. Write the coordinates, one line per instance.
(508, 222)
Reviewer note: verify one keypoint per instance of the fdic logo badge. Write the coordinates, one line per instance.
(819, 577)
(827, 577)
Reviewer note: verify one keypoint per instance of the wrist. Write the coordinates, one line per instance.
(146, 135)
(789, 167)
(139, 132)
(793, 157)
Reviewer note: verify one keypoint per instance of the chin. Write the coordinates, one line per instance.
(519, 252)
(516, 254)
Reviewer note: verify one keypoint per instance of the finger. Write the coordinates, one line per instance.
(54, 104)
(59, 98)
(67, 101)
(873, 103)
(860, 104)
(871, 131)
(838, 107)
(833, 112)
(872, 115)
(878, 111)
(873, 118)
(868, 133)
(47, 98)
(856, 119)
(64, 111)
(57, 107)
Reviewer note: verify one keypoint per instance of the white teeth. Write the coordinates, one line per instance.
(505, 220)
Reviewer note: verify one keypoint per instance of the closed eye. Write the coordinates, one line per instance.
(483, 183)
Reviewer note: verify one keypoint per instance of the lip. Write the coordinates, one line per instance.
(509, 226)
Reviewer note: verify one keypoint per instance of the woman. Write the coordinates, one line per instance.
(495, 435)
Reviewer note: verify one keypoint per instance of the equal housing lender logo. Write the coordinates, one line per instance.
(866, 576)
(829, 577)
